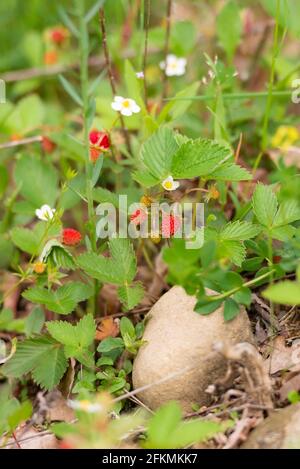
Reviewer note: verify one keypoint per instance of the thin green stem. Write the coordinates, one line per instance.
(166, 48)
(146, 27)
(271, 81)
(84, 54)
(250, 283)
(233, 96)
(270, 255)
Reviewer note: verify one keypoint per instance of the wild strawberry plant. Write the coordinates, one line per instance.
(138, 129)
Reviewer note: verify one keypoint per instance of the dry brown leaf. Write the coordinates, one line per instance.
(108, 327)
(291, 156)
(30, 438)
(292, 384)
(283, 357)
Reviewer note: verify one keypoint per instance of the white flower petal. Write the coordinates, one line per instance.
(169, 184)
(170, 72)
(126, 111)
(116, 106)
(118, 99)
(171, 57)
(135, 108)
(45, 212)
(182, 62)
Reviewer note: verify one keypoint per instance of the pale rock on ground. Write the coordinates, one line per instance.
(281, 430)
(179, 342)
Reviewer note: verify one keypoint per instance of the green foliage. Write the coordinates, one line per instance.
(229, 28)
(264, 205)
(133, 85)
(169, 137)
(176, 107)
(276, 220)
(34, 322)
(38, 181)
(3, 180)
(56, 254)
(157, 152)
(12, 412)
(183, 263)
(207, 159)
(76, 339)
(63, 300)
(30, 240)
(43, 357)
(119, 269)
(20, 121)
(69, 88)
(286, 292)
(289, 14)
(112, 347)
(239, 231)
(167, 430)
(9, 323)
(129, 336)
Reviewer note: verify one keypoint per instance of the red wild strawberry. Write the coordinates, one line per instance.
(59, 35)
(138, 216)
(47, 145)
(70, 237)
(65, 444)
(94, 154)
(170, 224)
(50, 57)
(99, 139)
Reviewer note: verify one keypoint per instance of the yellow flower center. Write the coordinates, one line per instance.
(126, 103)
(168, 185)
(39, 267)
(84, 405)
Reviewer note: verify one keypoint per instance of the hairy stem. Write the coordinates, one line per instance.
(166, 48)
(84, 54)
(110, 72)
(250, 283)
(264, 141)
(147, 6)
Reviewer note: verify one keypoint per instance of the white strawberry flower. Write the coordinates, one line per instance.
(140, 75)
(45, 213)
(169, 184)
(125, 106)
(85, 406)
(173, 66)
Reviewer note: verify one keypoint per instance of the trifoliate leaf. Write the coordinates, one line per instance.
(37, 179)
(76, 339)
(42, 356)
(131, 295)
(265, 205)
(61, 301)
(200, 157)
(288, 212)
(119, 269)
(286, 293)
(239, 231)
(157, 152)
(231, 309)
(233, 251)
(231, 172)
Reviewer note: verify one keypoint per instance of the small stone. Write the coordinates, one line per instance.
(180, 340)
(281, 430)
